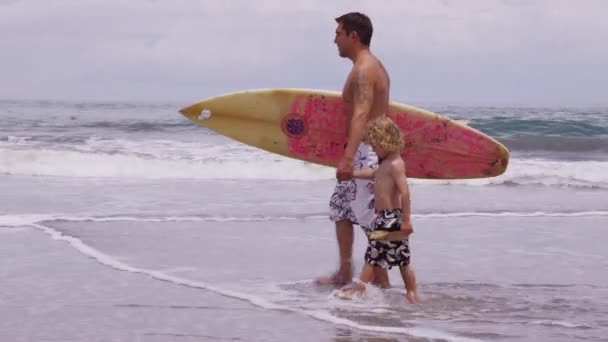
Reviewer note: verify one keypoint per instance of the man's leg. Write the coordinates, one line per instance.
(344, 274)
(345, 237)
(341, 213)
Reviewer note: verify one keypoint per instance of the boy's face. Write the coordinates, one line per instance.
(380, 151)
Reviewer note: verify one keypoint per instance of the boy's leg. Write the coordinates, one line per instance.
(345, 237)
(367, 274)
(409, 279)
(380, 278)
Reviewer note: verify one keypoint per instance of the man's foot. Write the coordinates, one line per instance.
(339, 278)
(411, 297)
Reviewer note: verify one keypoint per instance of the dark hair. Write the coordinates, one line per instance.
(358, 22)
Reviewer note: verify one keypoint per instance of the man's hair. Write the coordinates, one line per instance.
(358, 22)
(384, 133)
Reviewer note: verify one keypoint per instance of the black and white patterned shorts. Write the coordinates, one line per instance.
(346, 198)
(386, 254)
(388, 220)
(339, 204)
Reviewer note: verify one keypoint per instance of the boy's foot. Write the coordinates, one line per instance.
(356, 290)
(345, 294)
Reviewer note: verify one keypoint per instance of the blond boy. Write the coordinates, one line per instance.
(388, 243)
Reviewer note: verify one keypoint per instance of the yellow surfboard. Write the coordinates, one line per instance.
(389, 236)
(310, 125)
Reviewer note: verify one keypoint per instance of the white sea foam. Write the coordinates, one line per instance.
(168, 159)
(514, 214)
(561, 324)
(211, 163)
(558, 173)
(20, 220)
(256, 300)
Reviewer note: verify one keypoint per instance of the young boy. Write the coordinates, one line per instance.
(388, 243)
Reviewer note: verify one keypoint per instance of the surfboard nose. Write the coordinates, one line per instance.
(196, 112)
(191, 111)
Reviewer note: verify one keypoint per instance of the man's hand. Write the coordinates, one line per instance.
(406, 227)
(345, 169)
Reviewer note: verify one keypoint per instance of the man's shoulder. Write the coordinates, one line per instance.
(368, 66)
(362, 68)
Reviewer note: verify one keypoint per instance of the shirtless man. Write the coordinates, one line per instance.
(366, 95)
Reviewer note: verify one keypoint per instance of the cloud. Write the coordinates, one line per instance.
(442, 51)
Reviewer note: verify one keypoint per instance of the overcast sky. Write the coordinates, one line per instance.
(492, 52)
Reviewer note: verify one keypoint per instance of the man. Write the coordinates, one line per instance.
(366, 96)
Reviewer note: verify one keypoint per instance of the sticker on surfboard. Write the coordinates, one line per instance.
(294, 125)
(205, 114)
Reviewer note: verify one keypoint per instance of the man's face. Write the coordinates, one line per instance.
(343, 41)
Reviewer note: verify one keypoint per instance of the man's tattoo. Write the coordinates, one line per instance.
(365, 90)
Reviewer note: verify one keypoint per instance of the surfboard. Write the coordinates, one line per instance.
(310, 125)
(387, 236)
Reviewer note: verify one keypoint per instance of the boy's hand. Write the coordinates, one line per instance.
(406, 227)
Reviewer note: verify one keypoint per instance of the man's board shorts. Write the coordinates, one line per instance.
(353, 199)
(386, 254)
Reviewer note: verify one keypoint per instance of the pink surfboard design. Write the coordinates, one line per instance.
(435, 147)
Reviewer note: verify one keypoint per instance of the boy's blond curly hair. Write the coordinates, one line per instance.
(384, 133)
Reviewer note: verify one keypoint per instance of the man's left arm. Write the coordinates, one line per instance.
(363, 97)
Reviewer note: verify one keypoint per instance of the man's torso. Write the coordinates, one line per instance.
(368, 69)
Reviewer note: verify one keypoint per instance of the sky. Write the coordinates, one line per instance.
(448, 52)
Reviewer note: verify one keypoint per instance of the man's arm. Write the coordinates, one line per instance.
(363, 97)
(398, 174)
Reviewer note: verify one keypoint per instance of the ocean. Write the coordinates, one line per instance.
(126, 222)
